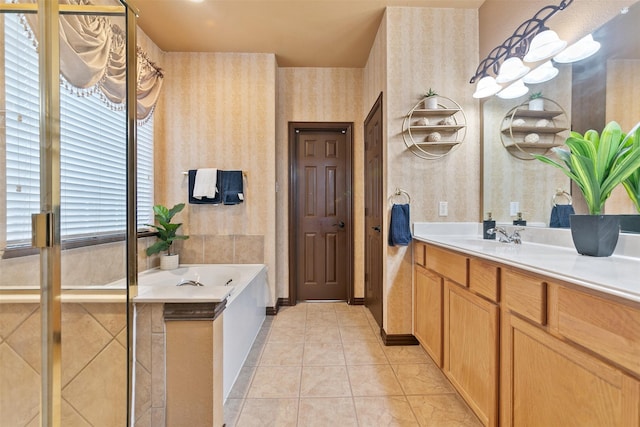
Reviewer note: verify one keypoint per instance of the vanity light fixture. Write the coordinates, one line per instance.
(514, 90)
(541, 74)
(511, 70)
(518, 45)
(583, 48)
(487, 86)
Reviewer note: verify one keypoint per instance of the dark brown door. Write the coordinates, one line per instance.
(322, 213)
(373, 204)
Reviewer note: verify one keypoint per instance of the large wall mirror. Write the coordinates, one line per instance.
(591, 92)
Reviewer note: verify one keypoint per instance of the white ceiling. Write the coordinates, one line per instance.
(302, 33)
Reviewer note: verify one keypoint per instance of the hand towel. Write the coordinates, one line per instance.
(231, 187)
(399, 228)
(560, 216)
(205, 185)
(203, 200)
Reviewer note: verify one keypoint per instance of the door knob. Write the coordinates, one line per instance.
(377, 228)
(339, 224)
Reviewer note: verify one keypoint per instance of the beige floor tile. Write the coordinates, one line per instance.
(352, 318)
(325, 381)
(268, 413)
(417, 379)
(322, 333)
(275, 382)
(287, 334)
(324, 306)
(323, 354)
(374, 380)
(442, 410)
(282, 354)
(243, 382)
(289, 319)
(321, 318)
(384, 411)
(358, 333)
(323, 412)
(232, 408)
(406, 354)
(364, 353)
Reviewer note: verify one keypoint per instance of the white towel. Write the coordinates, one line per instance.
(205, 183)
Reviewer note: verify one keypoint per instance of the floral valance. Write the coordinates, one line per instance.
(93, 59)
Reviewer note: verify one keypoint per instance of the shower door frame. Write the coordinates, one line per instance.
(46, 224)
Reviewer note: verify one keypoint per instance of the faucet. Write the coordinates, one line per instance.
(189, 282)
(504, 236)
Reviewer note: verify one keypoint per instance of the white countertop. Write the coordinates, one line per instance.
(186, 293)
(614, 275)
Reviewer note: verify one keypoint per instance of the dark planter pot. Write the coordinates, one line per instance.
(595, 235)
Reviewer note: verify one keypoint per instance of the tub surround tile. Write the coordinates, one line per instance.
(248, 249)
(158, 417)
(158, 373)
(25, 341)
(143, 392)
(24, 401)
(157, 318)
(143, 335)
(442, 411)
(144, 420)
(322, 412)
(232, 408)
(12, 315)
(417, 379)
(218, 249)
(191, 250)
(70, 417)
(122, 337)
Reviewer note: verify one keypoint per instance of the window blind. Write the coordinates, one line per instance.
(92, 153)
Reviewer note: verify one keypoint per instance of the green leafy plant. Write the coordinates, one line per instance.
(166, 230)
(430, 92)
(598, 163)
(535, 95)
(632, 183)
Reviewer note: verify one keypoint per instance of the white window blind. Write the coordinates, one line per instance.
(92, 153)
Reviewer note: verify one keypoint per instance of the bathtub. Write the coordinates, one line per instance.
(244, 313)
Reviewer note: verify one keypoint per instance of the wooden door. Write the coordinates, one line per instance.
(322, 257)
(373, 250)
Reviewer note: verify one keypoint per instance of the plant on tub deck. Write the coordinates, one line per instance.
(598, 163)
(632, 183)
(166, 231)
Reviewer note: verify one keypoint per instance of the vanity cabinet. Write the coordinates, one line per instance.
(525, 349)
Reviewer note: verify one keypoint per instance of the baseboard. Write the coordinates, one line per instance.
(281, 302)
(357, 301)
(397, 339)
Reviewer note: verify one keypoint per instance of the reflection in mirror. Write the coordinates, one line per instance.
(517, 183)
(593, 92)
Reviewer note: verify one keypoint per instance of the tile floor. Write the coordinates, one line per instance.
(323, 364)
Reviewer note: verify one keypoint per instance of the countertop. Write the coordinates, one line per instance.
(614, 275)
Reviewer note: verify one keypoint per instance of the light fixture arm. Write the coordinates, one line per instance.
(518, 44)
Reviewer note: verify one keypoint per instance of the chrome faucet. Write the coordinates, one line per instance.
(189, 282)
(505, 237)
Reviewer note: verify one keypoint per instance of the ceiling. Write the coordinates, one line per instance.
(302, 33)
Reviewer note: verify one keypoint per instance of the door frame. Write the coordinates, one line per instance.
(295, 128)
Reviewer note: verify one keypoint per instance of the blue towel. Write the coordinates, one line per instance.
(560, 216)
(399, 230)
(230, 185)
(205, 200)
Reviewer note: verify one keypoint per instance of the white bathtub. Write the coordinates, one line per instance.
(246, 305)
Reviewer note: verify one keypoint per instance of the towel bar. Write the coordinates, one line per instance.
(399, 192)
(561, 193)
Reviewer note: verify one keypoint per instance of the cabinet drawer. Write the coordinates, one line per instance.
(419, 253)
(448, 264)
(483, 278)
(608, 328)
(525, 295)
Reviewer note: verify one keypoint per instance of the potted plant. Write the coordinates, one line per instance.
(632, 185)
(431, 100)
(597, 163)
(536, 102)
(166, 233)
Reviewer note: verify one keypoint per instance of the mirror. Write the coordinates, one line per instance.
(593, 92)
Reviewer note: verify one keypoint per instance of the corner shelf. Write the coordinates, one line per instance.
(451, 135)
(552, 135)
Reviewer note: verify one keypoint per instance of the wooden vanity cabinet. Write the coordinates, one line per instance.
(428, 312)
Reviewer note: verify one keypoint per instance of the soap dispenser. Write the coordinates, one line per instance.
(488, 224)
(519, 220)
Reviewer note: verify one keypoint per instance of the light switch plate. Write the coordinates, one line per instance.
(443, 209)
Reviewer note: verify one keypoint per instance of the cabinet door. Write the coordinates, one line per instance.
(547, 382)
(427, 312)
(471, 349)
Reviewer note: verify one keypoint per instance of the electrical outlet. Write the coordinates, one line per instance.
(443, 209)
(514, 208)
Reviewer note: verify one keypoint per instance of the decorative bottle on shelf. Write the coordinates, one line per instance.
(519, 220)
(486, 225)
